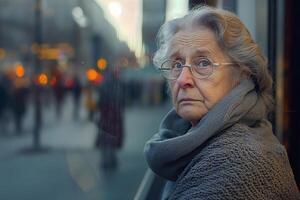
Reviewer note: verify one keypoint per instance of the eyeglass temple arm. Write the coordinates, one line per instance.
(219, 64)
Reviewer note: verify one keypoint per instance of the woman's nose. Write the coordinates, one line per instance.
(185, 79)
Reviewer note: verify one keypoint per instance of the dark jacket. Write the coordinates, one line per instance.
(111, 108)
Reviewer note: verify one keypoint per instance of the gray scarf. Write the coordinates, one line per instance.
(170, 150)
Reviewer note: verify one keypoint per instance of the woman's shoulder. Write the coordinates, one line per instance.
(249, 138)
(245, 144)
(239, 162)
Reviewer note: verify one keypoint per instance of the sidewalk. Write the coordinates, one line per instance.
(56, 133)
(70, 169)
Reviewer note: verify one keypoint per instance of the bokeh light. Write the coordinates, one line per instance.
(43, 79)
(115, 8)
(19, 70)
(91, 74)
(102, 63)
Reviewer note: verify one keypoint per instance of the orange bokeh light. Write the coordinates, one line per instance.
(102, 63)
(19, 70)
(91, 74)
(43, 79)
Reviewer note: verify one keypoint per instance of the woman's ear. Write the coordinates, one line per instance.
(239, 73)
(244, 72)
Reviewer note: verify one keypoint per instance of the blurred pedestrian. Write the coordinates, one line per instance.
(90, 102)
(59, 91)
(19, 104)
(4, 102)
(76, 92)
(111, 108)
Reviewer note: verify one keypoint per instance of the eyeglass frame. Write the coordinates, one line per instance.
(214, 64)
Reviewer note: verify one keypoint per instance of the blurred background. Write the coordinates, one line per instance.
(79, 95)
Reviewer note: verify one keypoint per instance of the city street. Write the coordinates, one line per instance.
(69, 168)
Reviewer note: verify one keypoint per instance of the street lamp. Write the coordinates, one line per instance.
(37, 65)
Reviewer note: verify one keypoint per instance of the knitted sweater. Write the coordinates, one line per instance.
(230, 154)
(238, 164)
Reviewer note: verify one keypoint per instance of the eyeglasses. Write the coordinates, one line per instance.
(201, 68)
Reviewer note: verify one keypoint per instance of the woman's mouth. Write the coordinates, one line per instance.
(189, 100)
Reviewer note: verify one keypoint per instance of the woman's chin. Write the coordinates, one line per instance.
(191, 113)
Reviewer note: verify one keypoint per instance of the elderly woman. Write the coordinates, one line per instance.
(217, 143)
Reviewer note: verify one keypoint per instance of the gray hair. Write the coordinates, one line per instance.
(233, 38)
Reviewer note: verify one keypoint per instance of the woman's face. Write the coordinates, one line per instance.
(192, 97)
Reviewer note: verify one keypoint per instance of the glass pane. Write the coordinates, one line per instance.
(79, 97)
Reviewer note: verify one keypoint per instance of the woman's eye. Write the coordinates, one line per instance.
(202, 63)
(177, 65)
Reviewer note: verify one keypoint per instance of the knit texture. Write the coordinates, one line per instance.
(238, 164)
(230, 154)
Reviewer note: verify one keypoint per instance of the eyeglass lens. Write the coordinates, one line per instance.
(200, 68)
